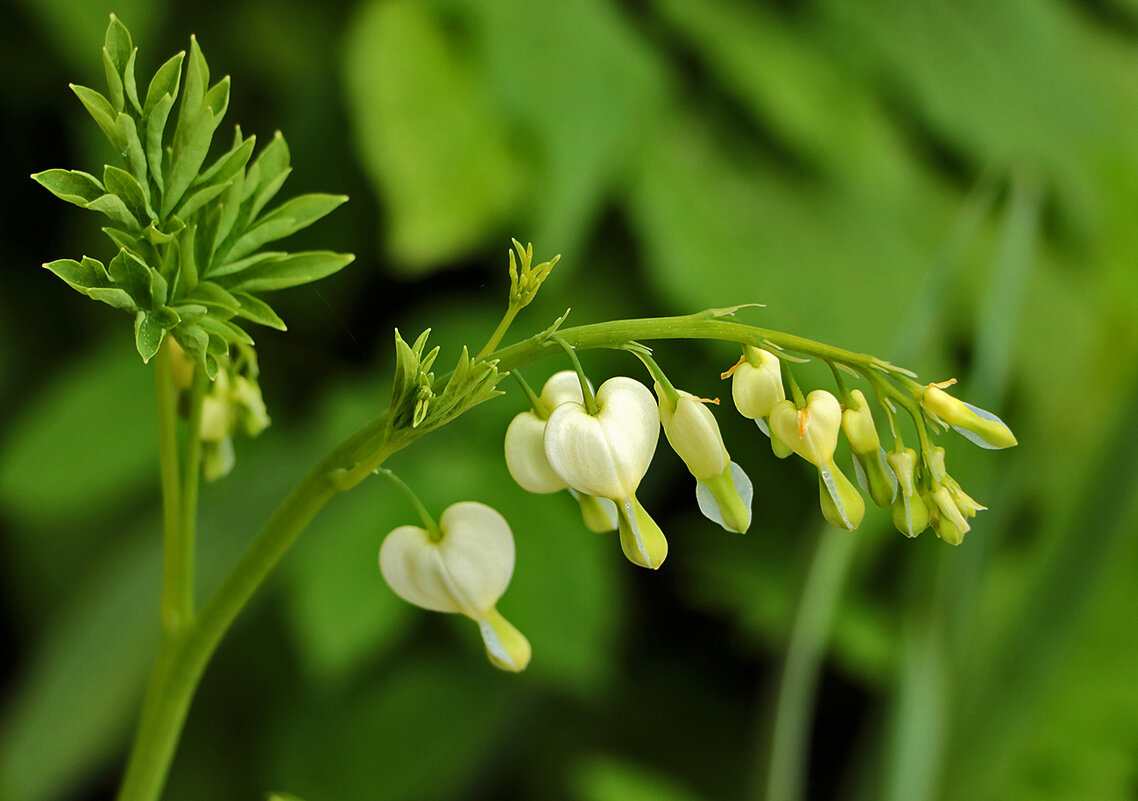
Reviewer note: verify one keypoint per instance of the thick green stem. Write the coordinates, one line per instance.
(173, 607)
(190, 642)
(191, 476)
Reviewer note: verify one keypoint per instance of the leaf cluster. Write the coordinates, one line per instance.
(414, 401)
(190, 236)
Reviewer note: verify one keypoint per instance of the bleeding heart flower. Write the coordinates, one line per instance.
(465, 568)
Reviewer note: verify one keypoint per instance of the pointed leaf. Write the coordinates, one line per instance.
(226, 167)
(165, 82)
(113, 296)
(211, 295)
(199, 199)
(187, 259)
(148, 335)
(197, 79)
(114, 82)
(130, 85)
(101, 111)
(155, 128)
(80, 275)
(190, 146)
(285, 220)
(124, 239)
(273, 169)
(257, 311)
(123, 184)
(290, 271)
(130, 274)
(132, 151)
(225, 330)
(217, 99)
(73, 186)
(113, 207)
(235, 267)
(190, 312)
(118, 45)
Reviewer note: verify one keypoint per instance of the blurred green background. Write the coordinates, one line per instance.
(949, 185)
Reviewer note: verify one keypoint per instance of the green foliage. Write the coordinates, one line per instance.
(188, 235)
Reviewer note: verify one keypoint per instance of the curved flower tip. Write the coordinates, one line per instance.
(842, 504)
(726, 499)
(599, 514)
(978, 425)
(507, 648)
(466, 570)
(640, 537)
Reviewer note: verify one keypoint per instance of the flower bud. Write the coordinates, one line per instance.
(607, 455)
(873, 472)
(249, 406)
(978, 425)
(910, 515)
(694, 435)
(756, 383)
(465, 570)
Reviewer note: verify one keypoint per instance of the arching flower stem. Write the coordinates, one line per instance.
(586, 391)
(432, 527)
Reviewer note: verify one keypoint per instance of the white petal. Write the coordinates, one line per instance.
(477, 554)
(525, 455)
(412, 566)
(562, 388)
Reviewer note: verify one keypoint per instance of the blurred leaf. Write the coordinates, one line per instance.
(422, 733)
(605, 778)
(74, 26)
(84, 444)
(430, 138)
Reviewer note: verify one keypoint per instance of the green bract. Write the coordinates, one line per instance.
(189, 234)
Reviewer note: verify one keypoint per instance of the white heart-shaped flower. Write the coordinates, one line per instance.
(466, 570)
(811, 432)
(607, 454)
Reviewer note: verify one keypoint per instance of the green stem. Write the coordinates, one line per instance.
(173, 567)
(500, 331)
(797, 687)
(658, 376)
(189, 644)
(586, 391)
(191, 476)
(433, 530)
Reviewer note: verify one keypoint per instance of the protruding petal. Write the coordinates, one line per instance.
(726, 499)
(599, 514)
(876, 477)
(507, 648)
(525, 455)
(978, 425)
(640, 538)
(694, 435)
(842, 504)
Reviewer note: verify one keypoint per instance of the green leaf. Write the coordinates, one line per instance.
(165, 82)
(195, 342)
(115, 209)
(101, 111)
(197, 80)
(200, 198)
(115, 297)
(118, 46)
(114, 82)
(189, 149)
(227, 167)
(80, 275)
(132, 151)
(73, 186)
(225, 330)
(257, 311)
(289, 271)
(130, 85)
(210, 294)
(155, 127)
(160, 236)
(285, 220)
(234, 267)
(123, 184)
(217, 100)
(133, 276)
(446, 186)
(272, 168)
(124, 239)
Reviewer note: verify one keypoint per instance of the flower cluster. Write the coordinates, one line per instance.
(599, 445)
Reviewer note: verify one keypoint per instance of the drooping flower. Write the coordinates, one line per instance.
(950, 507)
(465, 568)
(910, 514)
(756, 386)
(528, 464)
(722, 488)
(812, 433)
(607, 455)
